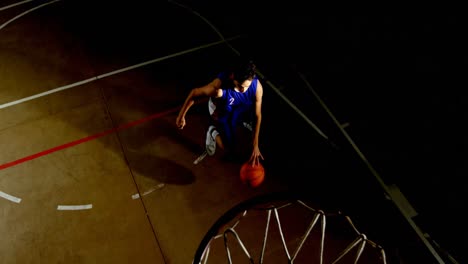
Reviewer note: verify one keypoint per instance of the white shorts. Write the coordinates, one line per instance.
(211, 106)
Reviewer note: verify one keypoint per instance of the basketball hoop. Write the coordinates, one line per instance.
(303, 234)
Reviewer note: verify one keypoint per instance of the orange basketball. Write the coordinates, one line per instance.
(252, 175)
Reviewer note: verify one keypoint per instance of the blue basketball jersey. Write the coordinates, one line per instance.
(232, 98)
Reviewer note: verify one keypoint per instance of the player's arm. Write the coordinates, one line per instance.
(258, 120)
(212, 89)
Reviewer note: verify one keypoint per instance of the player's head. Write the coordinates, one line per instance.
(243, 72)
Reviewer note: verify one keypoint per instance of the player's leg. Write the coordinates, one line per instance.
(225, 129)
(213, 138)
(242, 139)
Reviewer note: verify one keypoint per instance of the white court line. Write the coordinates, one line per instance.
(10, 197)
(200, 158)
(157, 187)
(74, 207)
(15, 4)
(25, 12)
(32, 97)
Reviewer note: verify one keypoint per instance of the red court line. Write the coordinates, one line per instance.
(86, 139)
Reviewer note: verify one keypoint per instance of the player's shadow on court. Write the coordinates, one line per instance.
(160, 169)
(147, 149)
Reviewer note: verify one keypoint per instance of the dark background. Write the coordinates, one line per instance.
(399, 82)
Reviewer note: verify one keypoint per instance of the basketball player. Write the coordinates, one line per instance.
(235, 98)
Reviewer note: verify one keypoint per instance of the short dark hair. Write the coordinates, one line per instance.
(244, 70)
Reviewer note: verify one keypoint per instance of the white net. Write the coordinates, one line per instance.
(288, 232)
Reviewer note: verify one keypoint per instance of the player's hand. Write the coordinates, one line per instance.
(255, 157)
(180, 122)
